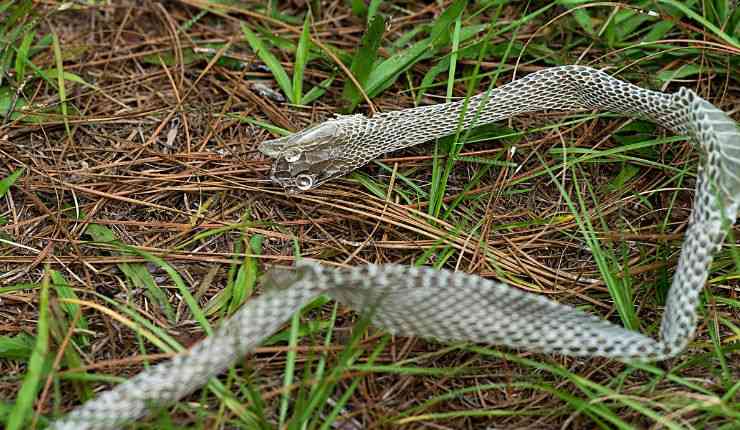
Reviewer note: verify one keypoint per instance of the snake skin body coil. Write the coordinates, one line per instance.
(453, 306)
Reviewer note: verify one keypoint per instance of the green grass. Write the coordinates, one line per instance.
(363, 61)
(536, 201)
(21, 412)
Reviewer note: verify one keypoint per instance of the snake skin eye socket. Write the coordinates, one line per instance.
(292, 156)
(304, 182)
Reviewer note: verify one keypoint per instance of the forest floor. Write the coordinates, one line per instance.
(130, 180)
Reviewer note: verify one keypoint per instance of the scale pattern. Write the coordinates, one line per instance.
(564, 88)
(454, 306)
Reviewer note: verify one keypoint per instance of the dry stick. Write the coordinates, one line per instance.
(174, 37)
(424, 229)
(391, 184)
(62, 228)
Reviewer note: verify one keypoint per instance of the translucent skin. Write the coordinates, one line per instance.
(455, 306)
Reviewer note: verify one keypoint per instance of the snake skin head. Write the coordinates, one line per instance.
(308, 158)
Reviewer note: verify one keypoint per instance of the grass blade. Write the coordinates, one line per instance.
(372, 9)
(64, 291)
(181, 287)
(453, 58)
(358, 7)
(246, 277)
(618, 288)
(301, 57)
(317, 91)
(21, 57)
(18, 347)
(34, 375)
(732, 40)
(139, 276)
(290, 362)
(8, 181)
(438, 186)
(362, 63)
(388, 71)
(104, 235)
(60, 81)
(270, 60)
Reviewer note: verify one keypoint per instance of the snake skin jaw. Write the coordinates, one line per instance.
(305, 160)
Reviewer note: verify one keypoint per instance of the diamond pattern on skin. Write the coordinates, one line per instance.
(453, 306)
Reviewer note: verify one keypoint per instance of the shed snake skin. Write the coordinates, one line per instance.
(454, 306)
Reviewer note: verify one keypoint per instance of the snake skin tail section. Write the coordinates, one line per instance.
(169, 381)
